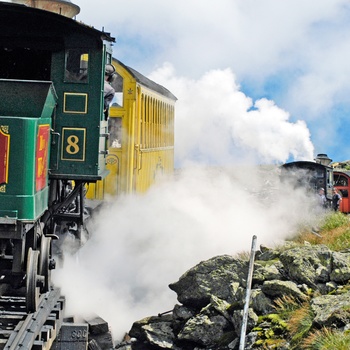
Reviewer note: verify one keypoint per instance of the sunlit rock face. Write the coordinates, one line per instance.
(63, 7)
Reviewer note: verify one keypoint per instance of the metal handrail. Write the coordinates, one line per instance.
(248, 292)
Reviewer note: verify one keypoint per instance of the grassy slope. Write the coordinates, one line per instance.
(335, 233)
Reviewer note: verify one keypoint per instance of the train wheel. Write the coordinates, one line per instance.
(32, 297)
(44, 261)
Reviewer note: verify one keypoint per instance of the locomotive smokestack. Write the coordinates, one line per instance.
(323, 159)
(63, 7)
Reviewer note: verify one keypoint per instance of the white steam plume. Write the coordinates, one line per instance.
(141, 243)
(216, 123)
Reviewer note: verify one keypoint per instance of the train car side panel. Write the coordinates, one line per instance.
(342, 183)
(25, 148)
(78, 122)
(141, 128)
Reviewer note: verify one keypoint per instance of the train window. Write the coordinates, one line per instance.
(319, 174)
(108, 58)
(344, 193)
(340, 180)
(115, 132)
(77, 64)
(330, 178)
(117, 84)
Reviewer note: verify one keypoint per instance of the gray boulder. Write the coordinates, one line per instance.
(278, 288)
(211, 277)
(341, 267)
(332, 310)
(308, 264)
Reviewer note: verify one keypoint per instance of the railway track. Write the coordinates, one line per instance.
(26, 331)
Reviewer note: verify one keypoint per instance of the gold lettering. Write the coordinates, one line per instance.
(42, 142)
(73, 147)
(40, 167)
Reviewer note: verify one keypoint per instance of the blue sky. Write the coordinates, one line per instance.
(223, 58)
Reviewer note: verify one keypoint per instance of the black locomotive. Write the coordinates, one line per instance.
(311, 175)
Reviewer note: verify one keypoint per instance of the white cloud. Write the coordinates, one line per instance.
(251, 36)
(218, 124)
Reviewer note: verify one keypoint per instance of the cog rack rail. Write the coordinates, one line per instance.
(33, 331)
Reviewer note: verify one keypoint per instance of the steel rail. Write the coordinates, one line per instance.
(28, 330)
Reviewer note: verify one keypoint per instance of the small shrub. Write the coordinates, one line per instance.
(299, 318)
(300, 323)
(327, 339)
(286, 305)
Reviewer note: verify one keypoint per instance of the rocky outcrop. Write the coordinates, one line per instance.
(212, 294)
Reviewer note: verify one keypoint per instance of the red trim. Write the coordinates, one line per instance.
(42, 144)
(4, 157)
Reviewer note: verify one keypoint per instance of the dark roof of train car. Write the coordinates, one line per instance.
(147, 82)
(10, 10)
(303, 163)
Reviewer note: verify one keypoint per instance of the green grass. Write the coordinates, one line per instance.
(334, 231)
(327, 339)
(334, 220)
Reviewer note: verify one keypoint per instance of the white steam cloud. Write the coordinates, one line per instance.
(217, 123)
(213, 206)
(142, 243)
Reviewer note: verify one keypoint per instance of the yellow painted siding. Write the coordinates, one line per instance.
(145, 123)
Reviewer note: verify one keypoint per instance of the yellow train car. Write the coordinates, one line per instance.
(141, 135)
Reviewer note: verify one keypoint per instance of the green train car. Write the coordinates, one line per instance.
(53, 136)
(24, 148)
